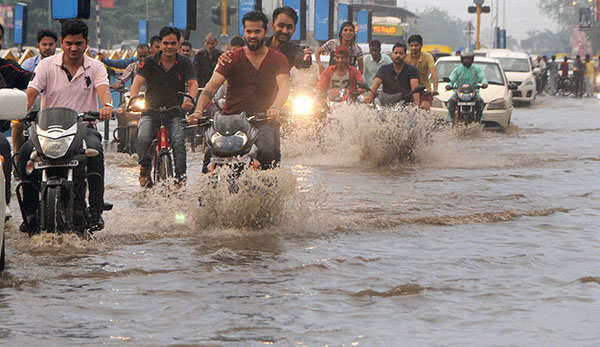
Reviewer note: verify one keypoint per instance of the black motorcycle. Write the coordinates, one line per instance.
(467, 110)
(58, 136)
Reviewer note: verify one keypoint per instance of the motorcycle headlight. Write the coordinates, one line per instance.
(437, 103)
(229, 143)
(140, 104)
(55, 148)
(497, 104)
(303, 105)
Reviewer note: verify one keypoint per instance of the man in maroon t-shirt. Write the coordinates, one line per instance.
(257, 82)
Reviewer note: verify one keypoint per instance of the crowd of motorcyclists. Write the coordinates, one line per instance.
(253, 76)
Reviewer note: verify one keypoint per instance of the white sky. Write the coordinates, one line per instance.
(521, 15)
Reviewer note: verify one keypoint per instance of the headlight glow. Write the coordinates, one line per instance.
(303, 105)
(55, 148)
(140, 104)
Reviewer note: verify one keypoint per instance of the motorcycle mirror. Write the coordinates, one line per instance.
(14, 104)
(446, 79)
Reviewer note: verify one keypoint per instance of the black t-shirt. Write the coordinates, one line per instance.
(162, 86)
(204, 64)
(13, 75)
(394, 83)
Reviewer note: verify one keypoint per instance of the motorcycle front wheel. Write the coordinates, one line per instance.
(53, 207)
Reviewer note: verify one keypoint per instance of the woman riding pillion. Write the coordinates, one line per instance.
(467, 73)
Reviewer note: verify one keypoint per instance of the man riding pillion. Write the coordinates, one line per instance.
(466, 73)
(399, 79)
(425, 64)
(73, 80)
(257, 82)
(284, 26)
(165, 74)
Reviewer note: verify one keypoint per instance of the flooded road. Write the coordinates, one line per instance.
(486, 239)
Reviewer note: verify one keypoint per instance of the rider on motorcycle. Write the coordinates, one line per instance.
(257, 82)
(165, 74)
(341, 75)
(73, 80)
(466, 73)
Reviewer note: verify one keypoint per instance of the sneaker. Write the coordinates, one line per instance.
(145, 180)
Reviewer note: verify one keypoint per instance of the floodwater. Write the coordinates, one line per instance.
(485, 239)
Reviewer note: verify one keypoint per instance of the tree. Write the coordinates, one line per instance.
(546, 42)
(438, 27)
(566, 13)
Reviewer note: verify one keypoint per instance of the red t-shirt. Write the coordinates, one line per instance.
(248, 89)
(564, 69)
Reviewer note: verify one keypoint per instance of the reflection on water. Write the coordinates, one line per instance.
(475, 238)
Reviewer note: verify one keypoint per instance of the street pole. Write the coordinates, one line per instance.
(224, 18)
(477, 43)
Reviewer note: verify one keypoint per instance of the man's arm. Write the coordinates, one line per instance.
(376, 83)
(105, 98)
(481, 76)
(302, 59)
(138, 82)
(361, 65)
(283, 90)
(192, 87)
(414, 83)
(32, 93)
(126, 74)
(209, 90)
(119, 63)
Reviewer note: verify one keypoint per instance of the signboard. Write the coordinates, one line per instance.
(20, 24)
(6, 16)
(184, 14)
(143, 31)
(343, 15)
(363, 20)
(65, 9)
(387, 30)
(300, 7)
(323, 30)
(245, 6)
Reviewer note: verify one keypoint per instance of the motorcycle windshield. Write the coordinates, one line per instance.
(59, 116)
(231, 124)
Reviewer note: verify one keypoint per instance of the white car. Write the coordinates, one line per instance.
(497, 96)
(519, 70)
(14, 106)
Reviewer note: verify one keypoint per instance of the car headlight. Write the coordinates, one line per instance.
(497, 104)
(229, 143)
(437, 103)
(55, 148)
(303, 105)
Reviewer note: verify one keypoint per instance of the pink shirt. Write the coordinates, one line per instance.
(76, 94)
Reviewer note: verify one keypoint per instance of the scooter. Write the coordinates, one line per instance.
(60, 152)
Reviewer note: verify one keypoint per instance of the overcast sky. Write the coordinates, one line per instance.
(521, 15)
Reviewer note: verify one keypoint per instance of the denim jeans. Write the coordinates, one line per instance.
(147, 131)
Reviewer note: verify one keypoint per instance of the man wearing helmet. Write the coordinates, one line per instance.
(466, 73)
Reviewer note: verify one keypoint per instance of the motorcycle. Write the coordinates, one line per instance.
(231, 141)
(58, 136)
(466, 107)
(125, 134)
(304, 108)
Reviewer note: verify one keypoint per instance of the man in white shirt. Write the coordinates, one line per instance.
(374, 61)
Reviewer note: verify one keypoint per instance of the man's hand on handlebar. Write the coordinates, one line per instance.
(273, 113)
(193, 118)
(106, 112)
(448, 87)
(187, 105)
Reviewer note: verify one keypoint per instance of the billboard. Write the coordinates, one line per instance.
(363, 20)
(20, 21)
(323, 30)
(143, 31)
(344, 14)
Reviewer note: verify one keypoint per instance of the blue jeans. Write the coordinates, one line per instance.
(147, 131)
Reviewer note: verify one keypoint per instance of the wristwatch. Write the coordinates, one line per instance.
(109, 105)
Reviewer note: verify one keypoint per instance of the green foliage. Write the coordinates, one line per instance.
(546, 42)
(438, 27)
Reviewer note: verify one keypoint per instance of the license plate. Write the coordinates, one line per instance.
(466, 104)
